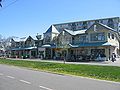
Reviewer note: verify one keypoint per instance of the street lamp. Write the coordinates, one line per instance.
(38, 42)
(63, 45)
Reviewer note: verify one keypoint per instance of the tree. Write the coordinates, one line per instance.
(5, 43)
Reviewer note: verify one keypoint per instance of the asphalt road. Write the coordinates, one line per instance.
(15, 78)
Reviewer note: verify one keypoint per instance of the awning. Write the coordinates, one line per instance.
(48, 46)
(26, 48)
(73, 46)
(91, 44)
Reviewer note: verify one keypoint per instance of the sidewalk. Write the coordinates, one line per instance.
(104, 63)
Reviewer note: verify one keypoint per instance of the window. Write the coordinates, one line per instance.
(111, 23)
(97, 21)
(73, 26)
(97, 37)
(85, 25)
(100, 37)
(108, 35)
(82, 38)
(113, 36)
(101, 21)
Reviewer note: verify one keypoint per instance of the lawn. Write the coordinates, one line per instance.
(111, 73)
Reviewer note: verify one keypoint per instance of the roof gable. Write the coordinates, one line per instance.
(29, 38)
(52, 29)
(99, 26)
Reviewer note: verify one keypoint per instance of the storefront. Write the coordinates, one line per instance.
(92, 51)
(48, 51)
(29, 52)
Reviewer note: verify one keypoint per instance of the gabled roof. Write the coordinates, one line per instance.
(75, 32)
(52, 29)
(34, 38)
(17, 39)
(102, 25)
(29, 38)
(106, 26)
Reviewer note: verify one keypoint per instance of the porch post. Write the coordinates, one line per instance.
(51, 53)
(45, 53)
(30, 54)
(109, 52)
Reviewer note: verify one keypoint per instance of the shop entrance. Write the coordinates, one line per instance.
(97, 52)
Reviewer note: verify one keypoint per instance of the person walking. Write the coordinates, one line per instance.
(113, 57)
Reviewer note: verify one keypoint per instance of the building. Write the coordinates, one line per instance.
(74, 41)
(26, 47)
(92, 39)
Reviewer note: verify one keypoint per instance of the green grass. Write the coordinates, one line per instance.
(111, 73)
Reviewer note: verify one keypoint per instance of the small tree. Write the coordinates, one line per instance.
(5, 43)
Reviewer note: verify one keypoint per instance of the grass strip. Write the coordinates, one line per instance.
(111, 73)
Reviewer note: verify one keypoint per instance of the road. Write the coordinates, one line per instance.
(16, 78)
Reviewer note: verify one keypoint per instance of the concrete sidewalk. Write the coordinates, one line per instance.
(104, 63)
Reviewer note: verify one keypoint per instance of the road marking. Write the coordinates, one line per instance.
(25, 81)
(10, 77)
(45, 88)
(1, 74)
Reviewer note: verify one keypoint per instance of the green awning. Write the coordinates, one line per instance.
(26, 48)
(91, 44)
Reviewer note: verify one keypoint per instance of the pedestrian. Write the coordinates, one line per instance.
(113, 57)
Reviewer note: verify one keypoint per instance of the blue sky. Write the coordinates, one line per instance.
(29, 17)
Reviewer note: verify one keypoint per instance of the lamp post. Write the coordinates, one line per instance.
(63, 45)
(38, 42)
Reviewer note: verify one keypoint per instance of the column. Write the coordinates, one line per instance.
(30, 54)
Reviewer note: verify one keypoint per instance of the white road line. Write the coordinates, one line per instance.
(45, 88)
(10, 77)
(1, 74)
(25, 81)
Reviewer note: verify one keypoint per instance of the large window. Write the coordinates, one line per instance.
(97, 37)
(82, 38)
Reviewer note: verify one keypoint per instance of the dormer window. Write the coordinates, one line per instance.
(108, 35)
(113, 36)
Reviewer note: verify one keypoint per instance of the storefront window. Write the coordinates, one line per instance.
(96, 52)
